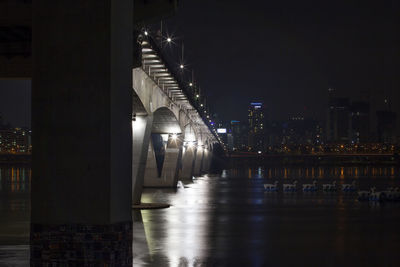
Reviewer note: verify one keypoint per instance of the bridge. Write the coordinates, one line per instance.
(109, 117)
(166, 111)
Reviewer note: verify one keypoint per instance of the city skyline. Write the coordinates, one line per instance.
(287, 54)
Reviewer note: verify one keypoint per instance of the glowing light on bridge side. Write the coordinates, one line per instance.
(190, 144)
(138, 123)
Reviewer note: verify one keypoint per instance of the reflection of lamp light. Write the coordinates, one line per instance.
(190, 144)
(174, 136)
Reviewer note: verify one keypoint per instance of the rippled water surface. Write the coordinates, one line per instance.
(229, 220)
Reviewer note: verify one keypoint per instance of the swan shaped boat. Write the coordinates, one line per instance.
(310, 187)
(349, 187)
(377, 196)
(329, 187)
(290, 187)
(271, 187)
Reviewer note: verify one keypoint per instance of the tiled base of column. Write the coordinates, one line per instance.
(81, 245)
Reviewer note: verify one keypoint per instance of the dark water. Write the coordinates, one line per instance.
(14, 216)
(231, 221)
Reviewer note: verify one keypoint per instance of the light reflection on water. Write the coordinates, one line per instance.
(341, 172)
(231, 221)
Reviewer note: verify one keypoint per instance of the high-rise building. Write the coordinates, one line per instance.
(338, 119)
(360, 122)
(386, 126)
(256, 118)
(237, 135)
(301, 131)
(13, 140)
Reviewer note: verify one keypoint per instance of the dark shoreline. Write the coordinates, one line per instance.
(15, 159)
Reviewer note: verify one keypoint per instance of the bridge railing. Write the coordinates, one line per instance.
(171, 80)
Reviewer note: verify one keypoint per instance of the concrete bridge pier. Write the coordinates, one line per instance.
(141, 131)
(188, 161)
(82, 134)
(162, 167)
(198, 161)
(205, 166)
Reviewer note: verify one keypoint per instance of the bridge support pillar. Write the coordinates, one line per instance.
(205, 166)
(170, 165)
(81, 119)
(198, 161)
(141, 131)
(188, 162)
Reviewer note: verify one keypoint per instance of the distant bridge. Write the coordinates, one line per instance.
(164, 109)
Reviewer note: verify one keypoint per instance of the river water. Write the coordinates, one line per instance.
(229, 220)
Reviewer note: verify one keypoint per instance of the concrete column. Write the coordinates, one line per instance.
(141, 131)
(82, 132)
(188, 162)
(209, 159)
(198, 162)
(206, 158)
(150, 172)
(169, 173)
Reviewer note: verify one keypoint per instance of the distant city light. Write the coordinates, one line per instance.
(169, 40)
(197, 96)
(190, 84)
(146, 33)
(181, 66)
(221, 130)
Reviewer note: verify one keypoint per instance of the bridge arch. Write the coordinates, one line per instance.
(165, 149)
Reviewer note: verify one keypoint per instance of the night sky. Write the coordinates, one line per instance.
(15, 102)
(288, 53)
(285, 53)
